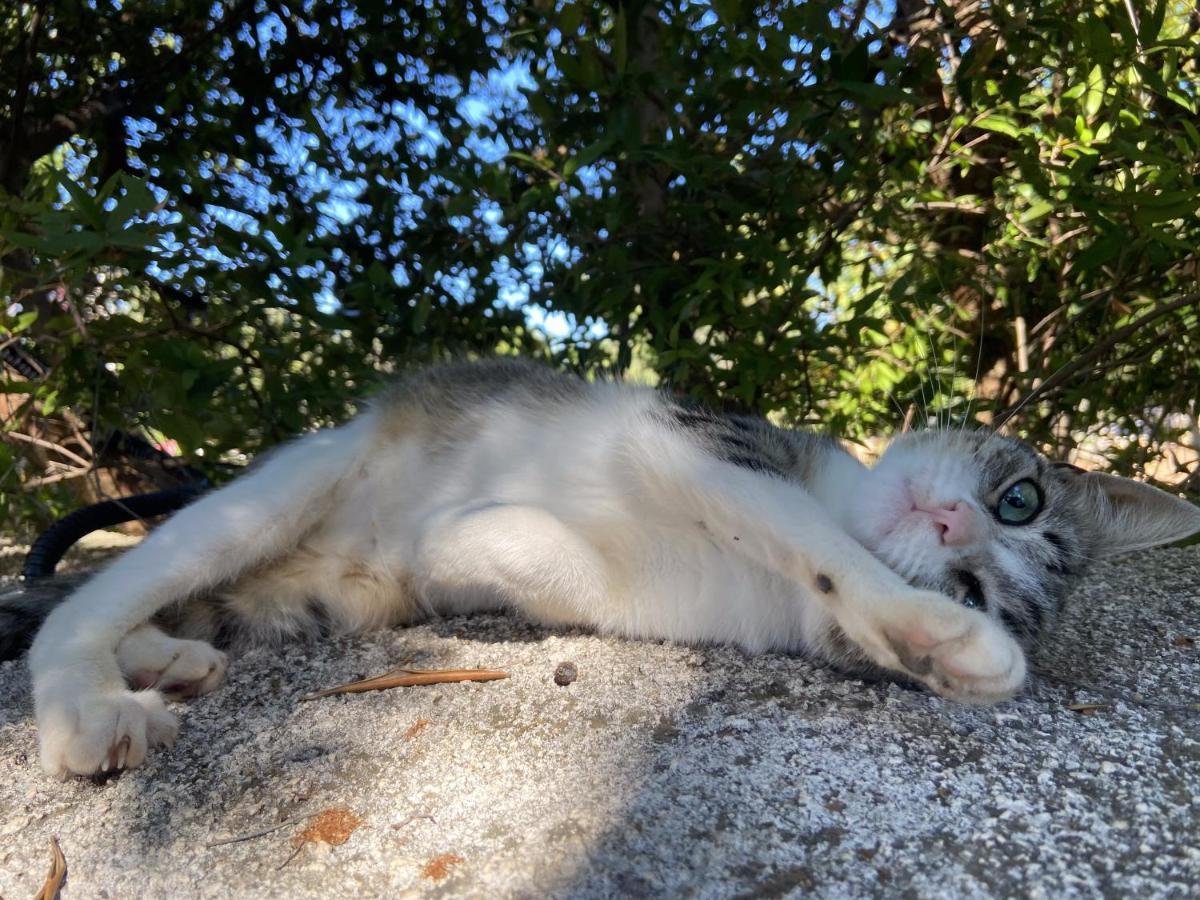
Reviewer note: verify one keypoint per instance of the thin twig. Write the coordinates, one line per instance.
(48, 445)
(262, 832)
(291, 856)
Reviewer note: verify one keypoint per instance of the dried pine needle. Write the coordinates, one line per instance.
(409, 678)
(58, 872)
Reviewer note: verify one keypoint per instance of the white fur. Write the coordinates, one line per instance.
(598, 515)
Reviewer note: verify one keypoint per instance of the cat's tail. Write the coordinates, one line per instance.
(25, 606)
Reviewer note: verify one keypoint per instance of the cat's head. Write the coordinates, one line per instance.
(990, 521)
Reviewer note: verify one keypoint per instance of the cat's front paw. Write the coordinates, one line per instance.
(104, 732)
(957, 652)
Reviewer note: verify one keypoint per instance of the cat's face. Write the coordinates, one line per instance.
(991, 522)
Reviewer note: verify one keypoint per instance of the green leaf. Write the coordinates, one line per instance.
(1099, 39)
(22, 322)
(1038, 210)
(1152, 24)
(999, 123)
(1095, 92)
(1192, 133)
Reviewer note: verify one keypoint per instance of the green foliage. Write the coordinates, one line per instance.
(223, 221)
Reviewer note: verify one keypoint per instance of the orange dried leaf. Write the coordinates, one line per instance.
(439, 867)
(58, 872)
(332, 826)
(409, 678)
(1184, 641)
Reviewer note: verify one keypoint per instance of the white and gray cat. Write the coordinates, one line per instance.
(503, 484)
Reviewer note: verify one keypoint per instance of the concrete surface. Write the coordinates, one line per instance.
(662, 770)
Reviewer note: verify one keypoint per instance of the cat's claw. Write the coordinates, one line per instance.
(103, 733)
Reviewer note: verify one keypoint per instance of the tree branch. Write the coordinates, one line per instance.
(1098, 350)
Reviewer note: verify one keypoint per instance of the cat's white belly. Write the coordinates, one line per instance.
(676, 582)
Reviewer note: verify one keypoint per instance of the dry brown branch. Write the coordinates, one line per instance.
(56, 875)
(409, 678)
(48, 445)
(35, 483)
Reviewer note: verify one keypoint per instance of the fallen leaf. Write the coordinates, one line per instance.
(332, 826)
(439, 867)
(409, 678)
(58, 872)
(415, 728)
(1184, 641)
(1087, 709)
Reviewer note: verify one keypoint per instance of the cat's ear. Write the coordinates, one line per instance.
(1135, 516)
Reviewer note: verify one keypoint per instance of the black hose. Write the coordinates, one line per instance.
(56, 540)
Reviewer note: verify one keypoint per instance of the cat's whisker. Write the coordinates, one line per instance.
(978, 361)
(953, 373)
(935, 387)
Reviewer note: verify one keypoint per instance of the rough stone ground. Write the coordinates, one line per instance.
(662, 770)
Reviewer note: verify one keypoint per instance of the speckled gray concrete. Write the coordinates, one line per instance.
(663, 770)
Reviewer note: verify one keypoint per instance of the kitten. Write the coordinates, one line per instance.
(504, 484)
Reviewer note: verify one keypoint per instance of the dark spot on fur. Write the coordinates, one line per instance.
(824, 583)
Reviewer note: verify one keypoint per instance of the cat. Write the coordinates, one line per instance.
(505, 484)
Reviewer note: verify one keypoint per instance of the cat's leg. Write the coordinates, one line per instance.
(148, 657)
(500, 554)
(88, 720)
(956, 651)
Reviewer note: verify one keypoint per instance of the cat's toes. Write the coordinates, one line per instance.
(104, 733)
(959, 653)
(180, 669)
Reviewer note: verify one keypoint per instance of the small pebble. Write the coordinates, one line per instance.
(565, 674)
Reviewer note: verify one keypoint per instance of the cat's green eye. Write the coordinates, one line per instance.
(1020, 503)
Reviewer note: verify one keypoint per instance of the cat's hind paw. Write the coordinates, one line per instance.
(148, 658)
(957, 652)
(103, 733)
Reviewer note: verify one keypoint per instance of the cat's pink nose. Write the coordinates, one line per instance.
(957, 522)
